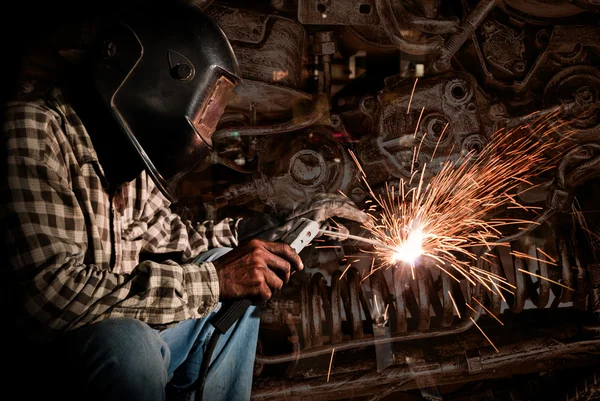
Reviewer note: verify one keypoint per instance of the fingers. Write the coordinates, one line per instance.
(264, 292)
(273, 282)
(286, 252)
(257, 269)
(277, 265)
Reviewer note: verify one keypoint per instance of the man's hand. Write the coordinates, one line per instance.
(256, 270)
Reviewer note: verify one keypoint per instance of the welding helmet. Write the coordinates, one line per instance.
(165, 76)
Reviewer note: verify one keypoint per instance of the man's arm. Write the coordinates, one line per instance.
(46, 238)
(167, 232)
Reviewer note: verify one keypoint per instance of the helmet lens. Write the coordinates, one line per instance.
(206, 119)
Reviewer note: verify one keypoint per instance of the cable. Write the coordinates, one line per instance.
(221, 321)
(201, 380)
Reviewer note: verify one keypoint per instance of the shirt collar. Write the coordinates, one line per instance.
(83, 147)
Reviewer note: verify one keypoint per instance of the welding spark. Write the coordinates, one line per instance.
(454, 303)
(485, 335)
(330, 363)
(441, 218)
(411, 249)
(488, 311)
(411, 95)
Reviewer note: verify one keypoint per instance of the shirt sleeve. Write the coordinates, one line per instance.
(46, 240)
(168, 232)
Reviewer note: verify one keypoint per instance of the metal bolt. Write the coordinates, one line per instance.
(367, 104)
(335, 120)
(519, 67)
(324, 43)
(488, 26)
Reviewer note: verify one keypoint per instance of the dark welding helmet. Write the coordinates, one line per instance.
(166, 77)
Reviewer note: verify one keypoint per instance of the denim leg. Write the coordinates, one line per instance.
(117, 359)
(232, 364)
(230, 372)
(125, 360)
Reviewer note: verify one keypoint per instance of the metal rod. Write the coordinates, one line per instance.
(367, 342)
(357, 238)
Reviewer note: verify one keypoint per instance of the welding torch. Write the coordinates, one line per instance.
(302, 232)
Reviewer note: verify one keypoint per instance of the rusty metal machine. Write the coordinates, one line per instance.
(322, 77)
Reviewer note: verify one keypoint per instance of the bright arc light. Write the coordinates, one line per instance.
(410, 249)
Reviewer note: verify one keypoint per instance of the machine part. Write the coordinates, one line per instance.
(473, 144)
(392, 27)
(324, 46)
(317, 111)
(579, 85)
(568, 44)
(307, 167)
(254, 34)
(486, 90)
(545, 8)
(590, 5)
(451, 104)
(272, 85)
(565, 250)
(464, 32)
(503, 48)
(429, 23)
(579, 165)
(594, 273)
(587, 390)
(255, 100)
(373, 40)
(296, 167)
(327, 12)
(396, 23)
(352, 299)
(424, 307)
(541, 347)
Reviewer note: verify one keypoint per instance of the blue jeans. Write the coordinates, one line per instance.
(124, 359)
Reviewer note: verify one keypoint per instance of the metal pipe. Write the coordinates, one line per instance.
(297, 123)
(479, 363)
(326, 63)
(365, 342)
(392, 28)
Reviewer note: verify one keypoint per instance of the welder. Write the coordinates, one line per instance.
(112, 289)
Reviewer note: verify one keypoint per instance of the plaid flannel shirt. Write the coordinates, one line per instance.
(75, 252)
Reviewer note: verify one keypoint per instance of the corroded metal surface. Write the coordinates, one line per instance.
(304, 105)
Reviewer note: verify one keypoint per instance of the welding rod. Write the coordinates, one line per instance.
(357, 238)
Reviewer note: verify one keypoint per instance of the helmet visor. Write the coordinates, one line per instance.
(207, 116)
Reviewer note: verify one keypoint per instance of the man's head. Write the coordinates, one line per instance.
(165, 76)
